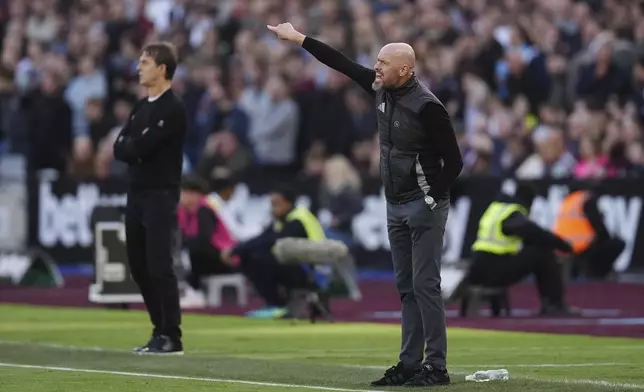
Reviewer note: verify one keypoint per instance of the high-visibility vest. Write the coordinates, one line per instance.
(314, 232)
(572, 225)
(312, 226)
(490, 237)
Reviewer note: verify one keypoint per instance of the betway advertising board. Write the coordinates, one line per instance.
(60, 215)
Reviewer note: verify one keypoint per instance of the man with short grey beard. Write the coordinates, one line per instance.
(419, 161)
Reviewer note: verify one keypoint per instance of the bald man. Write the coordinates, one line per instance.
(419, 161)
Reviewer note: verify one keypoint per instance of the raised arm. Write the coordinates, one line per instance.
(328, 56)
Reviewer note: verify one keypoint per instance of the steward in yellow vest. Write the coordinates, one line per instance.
(271, 279)
(509, 247)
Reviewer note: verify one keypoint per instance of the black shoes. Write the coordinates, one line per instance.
(561, 310)
(428, 376)
(161, 345)
(395, 376)
(138, 349)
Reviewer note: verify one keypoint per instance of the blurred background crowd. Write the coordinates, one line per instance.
(536, 88)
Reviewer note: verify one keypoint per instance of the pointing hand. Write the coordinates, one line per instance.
(287, 32)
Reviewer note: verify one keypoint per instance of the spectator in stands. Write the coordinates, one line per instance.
(220, 134)
(106, 165)
(363, 118)
(479, 155)
(28, 69)
(551, 159)
(223, 185)
(603, 77)
(42, 24)
(551, 63)
(637, 94)
(330, 122)
(223, 149)
(591, 164)
(515, 153)
(48, 122)
(341, 196)
(528, 76)
(274, 122)
(90, 83)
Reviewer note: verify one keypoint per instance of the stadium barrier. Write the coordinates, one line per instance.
(60, 213)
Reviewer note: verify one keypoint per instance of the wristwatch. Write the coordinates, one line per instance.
(430, 202)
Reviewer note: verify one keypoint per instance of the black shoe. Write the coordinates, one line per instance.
(138, 349)
(318, 305)
(162, 345)
(395, 376)
(429, 376)
(559, 311)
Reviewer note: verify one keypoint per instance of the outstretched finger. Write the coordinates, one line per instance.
(271, 28)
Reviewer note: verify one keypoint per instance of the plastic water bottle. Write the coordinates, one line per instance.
(489, 375)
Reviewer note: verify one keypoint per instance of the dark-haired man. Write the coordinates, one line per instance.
(151, 143)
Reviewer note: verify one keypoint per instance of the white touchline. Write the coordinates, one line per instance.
(187, 378)
(542, 365)
(537, 365)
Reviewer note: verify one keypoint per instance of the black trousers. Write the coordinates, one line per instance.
(503, 271)
(597, 261)
(152, 243)
(274, 281)
(204, 264)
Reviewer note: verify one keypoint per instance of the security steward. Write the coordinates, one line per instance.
(510, 247)
(272, 280)
(580, 222)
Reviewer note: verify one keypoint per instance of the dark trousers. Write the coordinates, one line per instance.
(204, 264)
(152, 244)
(274, 281)
(503, 271)
(416, 238)
(597, 261)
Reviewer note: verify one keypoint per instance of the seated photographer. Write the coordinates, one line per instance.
(509, 247)
(204, 236)
(272, 280)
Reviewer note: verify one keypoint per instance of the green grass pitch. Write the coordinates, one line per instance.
(62, 349)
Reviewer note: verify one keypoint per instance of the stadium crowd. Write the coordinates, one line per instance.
(536, 88)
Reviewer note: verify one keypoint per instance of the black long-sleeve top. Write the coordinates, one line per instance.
(443, 158)
(521, 226)
(152, 141)
(591, 211)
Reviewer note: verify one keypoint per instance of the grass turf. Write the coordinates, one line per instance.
(88, 350)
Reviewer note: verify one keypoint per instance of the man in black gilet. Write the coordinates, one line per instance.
(419, 161)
